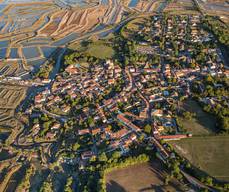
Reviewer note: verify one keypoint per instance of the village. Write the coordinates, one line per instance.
(94, 108)
(109, 95)
(108, 108)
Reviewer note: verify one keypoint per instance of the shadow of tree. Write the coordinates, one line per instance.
(152, 188)
(113, 186)
(207, 120)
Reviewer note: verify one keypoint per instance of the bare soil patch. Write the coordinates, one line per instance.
(142, 177)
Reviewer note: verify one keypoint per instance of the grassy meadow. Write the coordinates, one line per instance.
(208, 153)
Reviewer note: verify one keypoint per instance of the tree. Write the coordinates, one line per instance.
(188, 115)
(76, 146)
(225, 123)
(148, 129)
(226, 186)
(46, 187)
(209, 79)
(116, 155)
(68, 185)
(192, 65)
(103, 157)
(209, 181)
(44, 117)
(46, 125)
(167, 179)
(141, 137)
(90, 121)
(35, 121)
(93, 159)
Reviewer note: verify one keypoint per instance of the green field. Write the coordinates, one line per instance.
(133, 27)
(100, 49)
(202, 124)
(209, 153)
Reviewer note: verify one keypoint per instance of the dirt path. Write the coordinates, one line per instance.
(5, 182)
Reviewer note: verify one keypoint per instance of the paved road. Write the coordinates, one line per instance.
(58, 63)
(55, 116)
(196, 182)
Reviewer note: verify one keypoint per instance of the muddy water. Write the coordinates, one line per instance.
(104, 2)
(1, 9)
(3, 53)
(14, 53)
(31, 52)
(3, 137)
(133, 3)
(4, 44)
(47, 51)
(5, 154)
(66, 39)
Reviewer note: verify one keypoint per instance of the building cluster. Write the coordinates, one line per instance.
(110, 105)
(181, 40)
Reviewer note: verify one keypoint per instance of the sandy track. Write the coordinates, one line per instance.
(78, 21)
(16, 31)
(142, 5)
(51, 26)
(109, 10)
